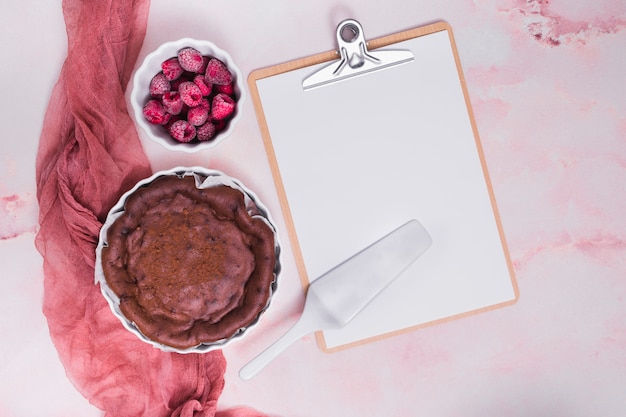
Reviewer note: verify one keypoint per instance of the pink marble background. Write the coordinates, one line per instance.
(548, 88)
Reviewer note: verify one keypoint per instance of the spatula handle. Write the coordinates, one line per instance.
(301, 328)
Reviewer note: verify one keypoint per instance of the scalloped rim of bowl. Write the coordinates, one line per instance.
(114, 301)
(151, 65)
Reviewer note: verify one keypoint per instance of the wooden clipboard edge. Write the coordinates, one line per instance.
(383, 336)
(483, 164)
(282, 196)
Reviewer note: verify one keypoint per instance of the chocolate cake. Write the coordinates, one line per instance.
(189, 265)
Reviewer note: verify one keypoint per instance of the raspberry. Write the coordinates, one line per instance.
(190, 59)
(190, 93)
(182, 131)
(172, 102)
(222, 106)
(206, 132)
(226, 89)
(201, 82)
(197, 115)
(154, 113)
(159, 85)
(172, 68)
(217, 73)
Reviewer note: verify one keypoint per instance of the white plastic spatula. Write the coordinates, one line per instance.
(336, 297)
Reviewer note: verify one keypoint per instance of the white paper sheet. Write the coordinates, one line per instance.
(361, 157)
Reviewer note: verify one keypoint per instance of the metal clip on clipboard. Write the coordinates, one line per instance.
(355, 59)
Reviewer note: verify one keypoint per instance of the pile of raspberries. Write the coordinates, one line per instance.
(192, 97)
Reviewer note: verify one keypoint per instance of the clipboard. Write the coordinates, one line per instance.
(357, 156)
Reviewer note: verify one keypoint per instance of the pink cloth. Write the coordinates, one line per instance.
(89, 154)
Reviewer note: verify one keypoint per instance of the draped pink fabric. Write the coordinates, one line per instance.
(89, 154)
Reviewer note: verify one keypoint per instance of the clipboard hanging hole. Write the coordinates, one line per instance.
(349, 32)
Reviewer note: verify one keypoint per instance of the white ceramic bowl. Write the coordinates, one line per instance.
(209, 178)
(151, 66)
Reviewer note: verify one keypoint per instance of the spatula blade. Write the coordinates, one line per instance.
(336, 297)
(350, 286)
